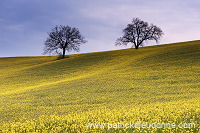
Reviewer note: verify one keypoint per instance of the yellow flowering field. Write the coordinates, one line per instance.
(152, 89)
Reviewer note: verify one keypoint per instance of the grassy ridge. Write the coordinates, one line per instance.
(162, 78)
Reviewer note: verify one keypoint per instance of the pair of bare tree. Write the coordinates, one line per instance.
(65, 38)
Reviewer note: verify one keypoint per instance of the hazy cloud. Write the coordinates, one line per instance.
(24, 23)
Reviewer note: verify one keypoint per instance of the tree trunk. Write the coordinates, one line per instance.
(136, 47)
(63, 56)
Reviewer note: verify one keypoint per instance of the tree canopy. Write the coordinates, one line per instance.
(139, 31)
(63, 38)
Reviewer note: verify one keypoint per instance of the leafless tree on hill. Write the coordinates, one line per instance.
(139, 31)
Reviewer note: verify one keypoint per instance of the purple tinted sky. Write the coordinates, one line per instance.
(24, 23)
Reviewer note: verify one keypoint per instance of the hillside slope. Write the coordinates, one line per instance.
(35, 86)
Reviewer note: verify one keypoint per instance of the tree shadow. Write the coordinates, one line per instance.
(60, 57)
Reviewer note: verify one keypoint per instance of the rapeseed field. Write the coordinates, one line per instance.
(152, 89)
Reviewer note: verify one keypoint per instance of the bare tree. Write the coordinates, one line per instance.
(139, 31)
(63, 38)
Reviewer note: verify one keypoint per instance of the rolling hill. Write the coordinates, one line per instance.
(152, 84)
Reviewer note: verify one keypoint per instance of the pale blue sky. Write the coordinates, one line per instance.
(24, 23)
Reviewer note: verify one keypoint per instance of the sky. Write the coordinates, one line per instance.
(24, 24)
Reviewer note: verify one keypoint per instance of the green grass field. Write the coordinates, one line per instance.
(157, 84)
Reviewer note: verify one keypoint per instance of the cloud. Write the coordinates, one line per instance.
(24, 24)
